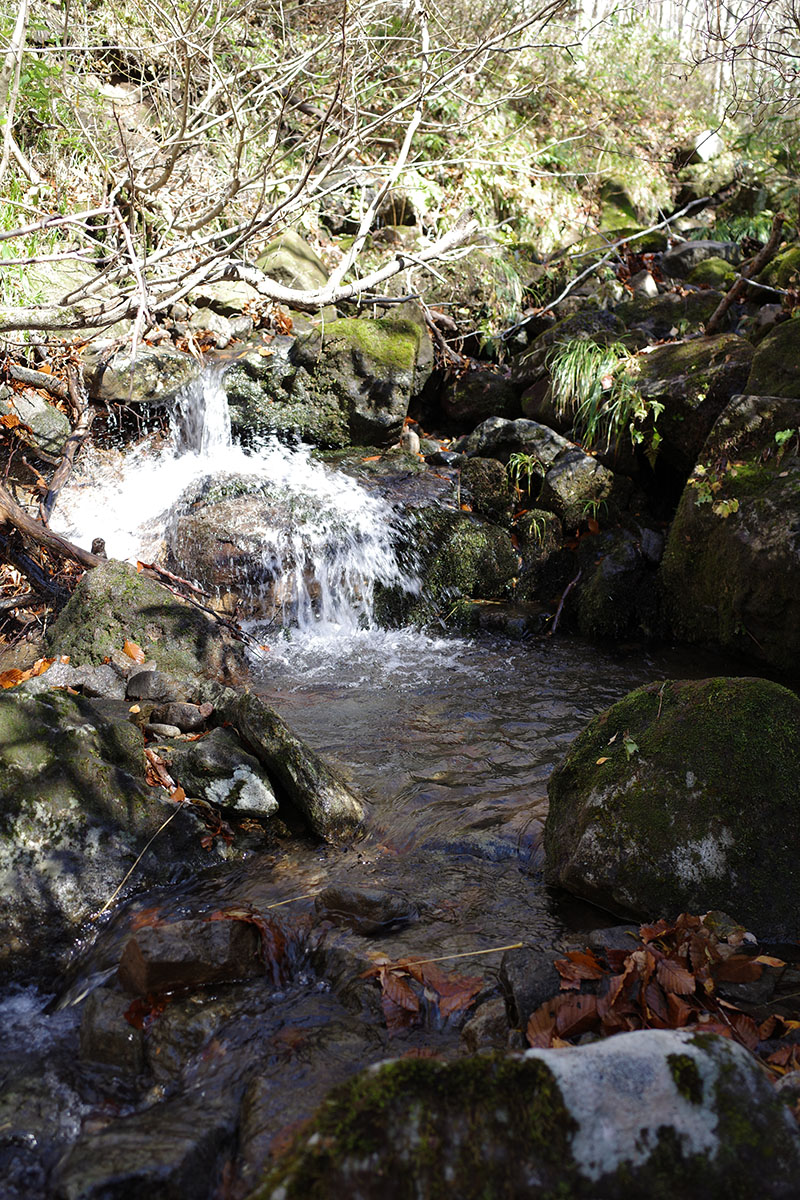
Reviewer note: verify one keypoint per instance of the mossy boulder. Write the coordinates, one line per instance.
(541, 538)
(75, 811)
(669, 314)
(713, 272)
(784, 270)
(617, 590)
(597, 325)
(694, 380)
(681, 797)
(776, 363)
(652, 1113)
(457, 556)
(113, 604)
(731, 568)
(681, 260)
(476, 395)
(484, 483)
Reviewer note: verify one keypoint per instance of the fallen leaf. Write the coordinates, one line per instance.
(602, 760)
(739, 968)
(541, 1027)
(675, 978)
(133, 651)
(575, 1014)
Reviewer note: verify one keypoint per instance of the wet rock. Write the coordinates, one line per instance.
(476, 395)
(776, 363)
(189, 954)
(694, 380)
(540, 537)
(187, 717)
(577, 486)
(368, 911)
(168, 1152)
(731, 568)
(113, 603)
(488, 1029)
(106, 1036)
(153, 378)
(617, 591)
(681, 798)
(219, 770)
(528, 978)
(683, 258)
(614, 937)
(154, 685)
(656, 1111)
(484, 482)
(331, 810)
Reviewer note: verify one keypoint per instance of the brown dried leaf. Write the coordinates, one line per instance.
(655, 1006)
(675, 978)
(578, 965)
(739, 968)
(649, 933)
(541, 1027)
(575, 1014)
(678, 1011)
(398, 991)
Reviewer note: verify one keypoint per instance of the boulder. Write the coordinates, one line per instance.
(500, 438)
(350, 380)
(478, 394)
(650, 1113)
(189, 954)
(152, 378)
(598, 325)
(75, 812)
(618, 586)
(329, 807)
(683, 258)
(783, 271)
(694, 380)
(113, 603)
(776, 363)
(577, 487)
(484, 483)
(290, 260)
(219, 770)
(683, 797)
(49, 427)
(229, 298)
(714, 273)
(731, 568)
(669, 314)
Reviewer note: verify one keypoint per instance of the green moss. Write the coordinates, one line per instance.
(713, 272)
(784, 270)
(687, 1077)
(776, 362)
(426, 1129)
(389, 342)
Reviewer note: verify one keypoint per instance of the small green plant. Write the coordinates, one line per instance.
(523, 469)
(707, 483)
(594, 386)
(782, 439)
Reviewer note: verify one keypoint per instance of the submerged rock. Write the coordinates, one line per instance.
(189, 954)
(113, 603)
(650, 1113)
(731, 569)
(683, 797)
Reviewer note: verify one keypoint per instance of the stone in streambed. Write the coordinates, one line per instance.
(368, 911)
(219, 770)
(650, 1113)
(683, 797)
(188, 717)
(106, 1036)
(189, 954)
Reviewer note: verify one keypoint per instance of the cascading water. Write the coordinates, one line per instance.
(306, 545)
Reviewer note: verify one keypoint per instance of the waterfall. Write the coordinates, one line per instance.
(302, 544)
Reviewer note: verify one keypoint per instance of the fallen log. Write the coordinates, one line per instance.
(29, 527)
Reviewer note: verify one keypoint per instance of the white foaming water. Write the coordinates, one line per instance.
(313, 542)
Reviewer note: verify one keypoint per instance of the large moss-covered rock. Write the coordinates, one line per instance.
(669, 314)
(694, 380)
(784, 270)
(731, 569)
(683, 796)
(776, 363)
(713, 272)
(682, 259)
(653, 1113)
(47, 427)
(349, 380)
(113, 604)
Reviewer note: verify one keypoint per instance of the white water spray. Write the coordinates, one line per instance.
(309, 545)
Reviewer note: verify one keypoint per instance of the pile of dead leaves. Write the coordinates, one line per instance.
(418, 993)
(677, 975)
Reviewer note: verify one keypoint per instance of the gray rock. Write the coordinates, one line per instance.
(220, 326)
(291, 261)
(102, 681)
(656, 1112)
(154, 377)
(680, 260)
(643, 284)
(154, 685)
(187, 717)
(49, 427)
(219, 770)
(683, 797)
(528, 978)
(488, 1029)
(153, 729)
(498, 438)
(577, 486)
(479, 394)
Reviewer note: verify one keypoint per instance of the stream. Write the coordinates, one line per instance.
(450, 741)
